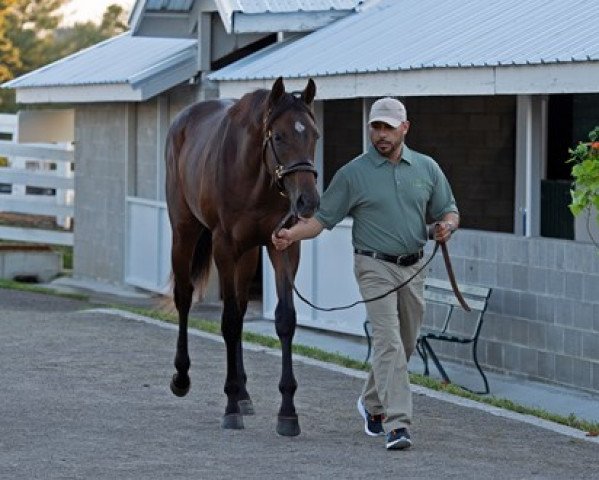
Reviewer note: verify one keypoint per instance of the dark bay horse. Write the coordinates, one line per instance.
(234, 170)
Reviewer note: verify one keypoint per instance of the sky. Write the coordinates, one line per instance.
(84, 10)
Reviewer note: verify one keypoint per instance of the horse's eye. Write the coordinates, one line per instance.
(277, 137)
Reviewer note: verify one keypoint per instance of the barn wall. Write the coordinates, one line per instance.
(543, 315)
(100, 173)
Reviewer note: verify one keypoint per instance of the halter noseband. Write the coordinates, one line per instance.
(281, 171)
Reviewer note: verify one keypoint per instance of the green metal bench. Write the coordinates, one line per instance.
(439, 292)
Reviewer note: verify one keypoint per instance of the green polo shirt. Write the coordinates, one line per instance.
(388, 202)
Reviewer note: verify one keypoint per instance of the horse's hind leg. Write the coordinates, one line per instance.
(231, 326)
(181, 256)
(244, 273)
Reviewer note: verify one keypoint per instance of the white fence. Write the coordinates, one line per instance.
(148, 248)
(37, 181)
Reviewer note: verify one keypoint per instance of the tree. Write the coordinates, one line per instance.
(30, 37)
(9, 55)
(31, 25)
(86, 34)
(114, 21)
(28, 26)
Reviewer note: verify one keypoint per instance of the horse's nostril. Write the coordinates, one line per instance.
(306, 206)
(300, 206)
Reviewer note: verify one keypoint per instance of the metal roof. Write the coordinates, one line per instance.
(256, 6)
(280, 6)
(298, 15)
(169, 5)
(396, 35)
(240, 16)
(121, 59)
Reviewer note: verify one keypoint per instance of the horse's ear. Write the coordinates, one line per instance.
(309, 92)
(277, 91)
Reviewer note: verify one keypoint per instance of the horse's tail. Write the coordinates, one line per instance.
(201, 262)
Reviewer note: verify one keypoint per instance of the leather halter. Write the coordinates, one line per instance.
(281, 171)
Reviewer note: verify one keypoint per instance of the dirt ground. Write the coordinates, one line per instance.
(85, 395)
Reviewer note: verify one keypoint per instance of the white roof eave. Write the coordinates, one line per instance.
(136, 15)
(283, 22)
(138, 88)
(555, 78)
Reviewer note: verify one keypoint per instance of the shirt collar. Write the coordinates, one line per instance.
(407, 155)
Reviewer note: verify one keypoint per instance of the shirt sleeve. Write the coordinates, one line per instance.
(335, 202)
(442, 200)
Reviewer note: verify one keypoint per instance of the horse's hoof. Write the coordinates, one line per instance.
(288, 426)
(246, 407)
(232, 421)
(178, 390)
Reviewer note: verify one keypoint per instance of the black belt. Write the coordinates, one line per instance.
(402, 260)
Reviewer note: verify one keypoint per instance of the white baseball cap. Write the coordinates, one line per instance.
(389, 111)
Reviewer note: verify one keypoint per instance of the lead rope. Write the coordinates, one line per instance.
(357, 302)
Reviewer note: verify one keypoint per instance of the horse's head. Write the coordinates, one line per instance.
(290, 136)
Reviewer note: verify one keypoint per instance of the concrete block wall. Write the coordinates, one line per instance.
(147, 149)
(148, 158)
(543, 316)
(100, 173)
(181, 97)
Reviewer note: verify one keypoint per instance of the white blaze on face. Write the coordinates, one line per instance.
(299, 127)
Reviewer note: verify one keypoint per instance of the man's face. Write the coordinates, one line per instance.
(386, 139)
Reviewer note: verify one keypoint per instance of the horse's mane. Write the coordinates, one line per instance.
(252, 108)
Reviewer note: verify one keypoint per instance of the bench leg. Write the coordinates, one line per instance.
(480, 370)
(425, 350)
(422, 352)
(436, 361)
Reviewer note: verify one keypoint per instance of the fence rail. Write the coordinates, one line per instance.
(36, 179)
(35, 166)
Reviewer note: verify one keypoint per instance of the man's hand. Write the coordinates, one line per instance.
(442, 231)
(304, 228)
(282, 239)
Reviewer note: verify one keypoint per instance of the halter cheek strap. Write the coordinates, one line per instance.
(281, 171)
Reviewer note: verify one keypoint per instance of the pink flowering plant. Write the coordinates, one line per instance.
(585, 171)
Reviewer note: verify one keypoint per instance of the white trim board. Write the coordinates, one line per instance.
(538, 79)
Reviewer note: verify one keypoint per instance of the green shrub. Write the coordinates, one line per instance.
(585, 171)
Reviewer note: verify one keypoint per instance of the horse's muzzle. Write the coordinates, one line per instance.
(306, 204)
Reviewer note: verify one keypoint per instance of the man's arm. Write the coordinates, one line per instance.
(441, 231)
(304, 228)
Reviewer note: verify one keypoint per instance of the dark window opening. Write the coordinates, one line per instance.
(342, 135)
(570, 118)
(243, 52)
(559, 137)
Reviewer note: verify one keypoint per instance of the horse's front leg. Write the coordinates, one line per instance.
(285, 323)
(231, 326)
